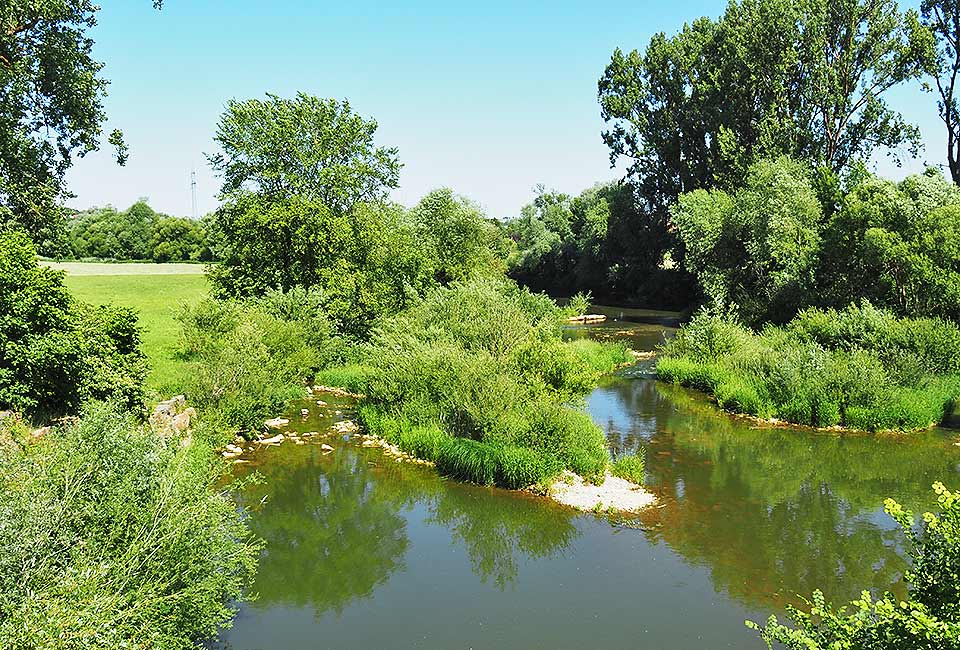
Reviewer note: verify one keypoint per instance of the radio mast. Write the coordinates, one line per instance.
(193, 194)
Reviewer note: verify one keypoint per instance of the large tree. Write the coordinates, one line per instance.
(768, 78)
(942, 18)
(314, 148)
(51, 107)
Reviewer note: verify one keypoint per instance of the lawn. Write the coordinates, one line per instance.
(157, 298)
(126, 268)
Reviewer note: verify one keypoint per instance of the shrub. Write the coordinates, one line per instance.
(862, 368)
(928, 618)
(56, 352)
(114, 537)
(248, 363)
(630, 467)
(483, 361)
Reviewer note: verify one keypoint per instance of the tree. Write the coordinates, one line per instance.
(56, 352)
(756, 248)
(458, 237)
(942, 18)
(365, 264)
(51, 108)
(769, 78)
(317, 149)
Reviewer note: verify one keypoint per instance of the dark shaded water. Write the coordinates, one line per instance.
(365, 552)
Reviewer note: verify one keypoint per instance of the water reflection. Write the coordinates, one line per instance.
(337, 524)
(772, 512)
(332, 529)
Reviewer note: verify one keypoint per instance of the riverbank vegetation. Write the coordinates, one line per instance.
(927, 618)
(115, 536)
(861, 368)
(489, 400)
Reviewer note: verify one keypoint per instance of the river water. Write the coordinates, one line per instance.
(365, 552)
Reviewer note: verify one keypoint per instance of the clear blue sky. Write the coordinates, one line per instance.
(489, 99)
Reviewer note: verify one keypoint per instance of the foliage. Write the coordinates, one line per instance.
(942, 18)
(861, 368)
(51, 106)
(630, 467)
(756, 249)
(927, 619)
(116, 537)
(600, 242)
(56, 352)
(792, 238)
(768, 78)
(137, 233)
(494, 385)
(249, 359)
(458, 238)
(312, 148)
(364, 264)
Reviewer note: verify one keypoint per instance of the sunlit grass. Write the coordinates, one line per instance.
(157, 299)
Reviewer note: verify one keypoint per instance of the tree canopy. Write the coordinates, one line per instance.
(314, 148)
(51, 108)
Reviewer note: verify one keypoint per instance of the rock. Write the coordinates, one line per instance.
(276, 423)
(321, 403)
(304, 412)
(181, 421)
(36, 434)
(240, 462)
(345, 426)
(326, 447)
(275, 440)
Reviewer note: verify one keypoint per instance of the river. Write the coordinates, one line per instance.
(365, 552)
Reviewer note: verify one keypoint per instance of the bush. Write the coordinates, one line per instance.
(630, 467)
(56, 352)
(248, 363)
(928, 618)
(862, 368)
(114, 537)
(484, 361)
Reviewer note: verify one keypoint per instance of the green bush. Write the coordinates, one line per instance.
(484, 360)
(248, 363)
(929, 618)
(630, 467)
(114, 537)
(861, 368)
(56, 352)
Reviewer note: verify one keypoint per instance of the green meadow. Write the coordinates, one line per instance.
(157, 297)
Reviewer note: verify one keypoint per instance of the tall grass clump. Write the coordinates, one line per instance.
(630, 467)
(115, 537)
(860, 368)
(483, 363)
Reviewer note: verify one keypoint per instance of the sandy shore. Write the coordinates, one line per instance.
(615, 494)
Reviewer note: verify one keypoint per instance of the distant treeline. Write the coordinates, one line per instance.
(137, 233)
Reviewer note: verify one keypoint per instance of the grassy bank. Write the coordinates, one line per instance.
(157, 299)
(861, 368)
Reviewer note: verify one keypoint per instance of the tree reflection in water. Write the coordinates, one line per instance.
(336, 529)
(773, 512)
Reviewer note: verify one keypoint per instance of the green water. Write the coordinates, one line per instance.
(365, 552)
